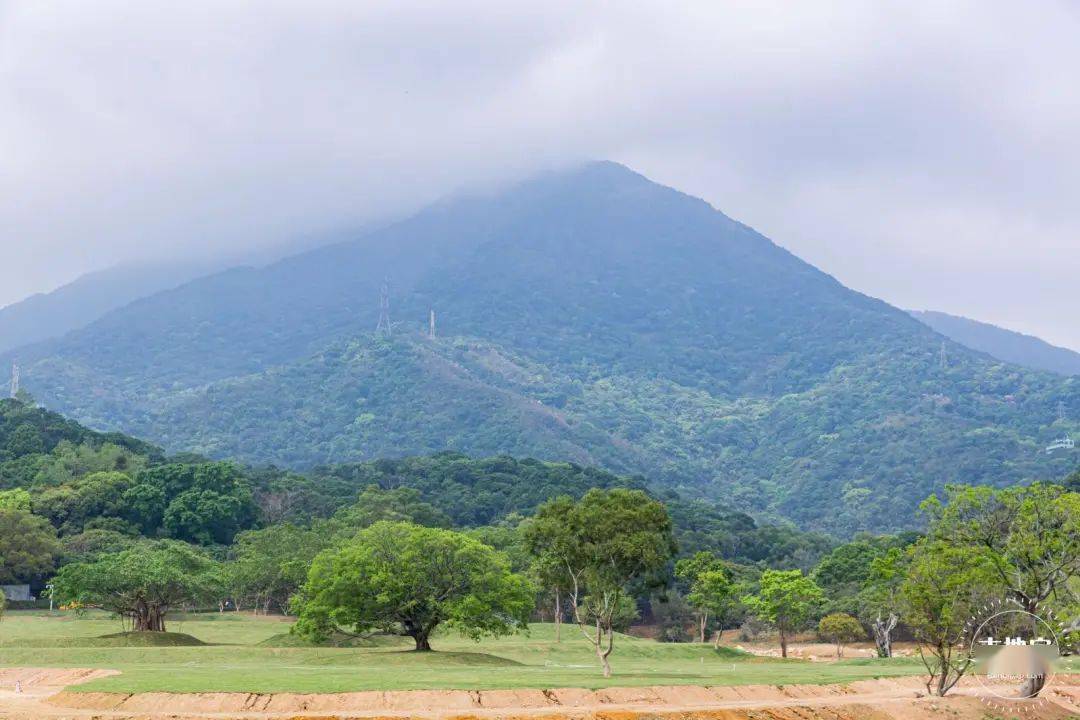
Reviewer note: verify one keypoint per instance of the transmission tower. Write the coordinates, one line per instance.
(14, 379)
(1062, 415)
(944, 357)
(431, 326)
(384, 310)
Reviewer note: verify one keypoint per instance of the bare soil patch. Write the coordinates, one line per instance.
(892, 699)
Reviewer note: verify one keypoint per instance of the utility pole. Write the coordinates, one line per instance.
(431, 326)
(384, 310)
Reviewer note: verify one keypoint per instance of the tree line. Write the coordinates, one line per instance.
(486, 546)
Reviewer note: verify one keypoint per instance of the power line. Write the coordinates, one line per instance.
(384, 310)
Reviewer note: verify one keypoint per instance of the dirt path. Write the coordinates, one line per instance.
(43, 698)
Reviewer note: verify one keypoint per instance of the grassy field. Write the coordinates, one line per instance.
(247, 654)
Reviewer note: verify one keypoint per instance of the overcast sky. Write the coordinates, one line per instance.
(924, 153)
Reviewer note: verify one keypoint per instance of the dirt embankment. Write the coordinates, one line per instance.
(893, 699)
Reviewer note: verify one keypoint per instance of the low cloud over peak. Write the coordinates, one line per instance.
(937, 142)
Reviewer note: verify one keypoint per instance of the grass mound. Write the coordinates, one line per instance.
(337, 640)
(732, 653)
(144, 639)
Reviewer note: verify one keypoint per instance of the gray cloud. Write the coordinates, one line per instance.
(925, 153)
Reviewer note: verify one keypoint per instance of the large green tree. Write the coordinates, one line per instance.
(1030, 535)
(142, 583)
(945, 584)
(403, 577)
(787, 599)
(28, 546)
(269, 565)
(606, 541)
(710, 589)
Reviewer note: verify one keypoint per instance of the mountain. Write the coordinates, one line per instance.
(1005, 345)
(87, 298)
(589, 315)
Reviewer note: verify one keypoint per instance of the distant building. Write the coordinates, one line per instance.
(20, 593)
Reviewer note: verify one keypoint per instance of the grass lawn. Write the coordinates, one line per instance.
(247, 654)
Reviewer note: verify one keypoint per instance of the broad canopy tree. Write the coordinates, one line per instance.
(396, 576)
(606, 541)
(142, 583)
(1029, 535)
(787, 599)
(944, 586)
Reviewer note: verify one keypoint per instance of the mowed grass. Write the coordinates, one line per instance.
(248, 654)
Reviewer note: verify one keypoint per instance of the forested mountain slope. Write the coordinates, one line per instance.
(1005, 345)
(592, 316)
(87, 298)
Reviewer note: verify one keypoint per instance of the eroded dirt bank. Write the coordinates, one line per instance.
(895, 699)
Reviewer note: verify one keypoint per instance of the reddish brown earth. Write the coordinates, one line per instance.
(43, 698)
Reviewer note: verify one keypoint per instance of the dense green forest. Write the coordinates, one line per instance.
(111, 522)
(589, 316)
(84, 492)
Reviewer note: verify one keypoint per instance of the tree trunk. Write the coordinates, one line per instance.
(703, 624)
(604, 662)
(716, 638)
(1032, 686)
(883, 635)
(558, 616)
(422, 636)
(604, 653)
(783, 642)
(148, 619)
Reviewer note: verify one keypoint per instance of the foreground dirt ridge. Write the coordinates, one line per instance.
(886, 699)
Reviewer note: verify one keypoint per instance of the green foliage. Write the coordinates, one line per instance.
(573, 331)
(401, 504)
(607, 540)
(17, 499)
(840, 628)
(269, 565)
(3, 604)
(787, 599)
(711, 588)
(29, 430)
(944, 586)
(1030, 535)
(28, 546)
(90, 545)
(848, 569)
(408, 578)
(70, 506)
(475, 492)
(142, 583)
